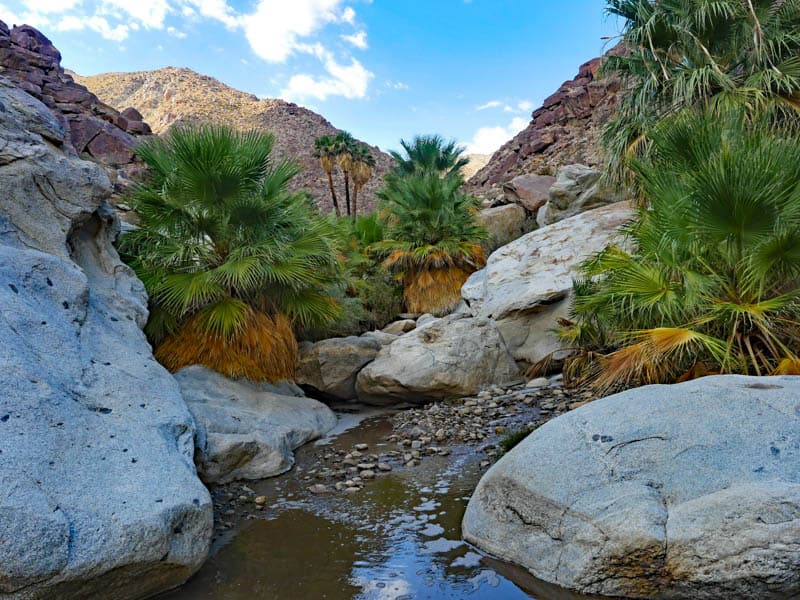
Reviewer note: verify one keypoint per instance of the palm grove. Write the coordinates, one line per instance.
(706, 281)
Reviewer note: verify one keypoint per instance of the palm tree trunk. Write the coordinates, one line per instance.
(356, 188)
(347, 190)
(333, 195)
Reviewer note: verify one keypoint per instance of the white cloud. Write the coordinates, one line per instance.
(349, 15)
(350, 81)
(359, 40)
(96, 24)
(275, 29)
(176, 33)
(33, 18)
(488, 139)
(213, 9)
(397, 85)
(50, 6)
(525, 105)
(488, 105)
(150, 13)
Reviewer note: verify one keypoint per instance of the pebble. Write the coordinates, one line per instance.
(368, 474)
(260, 500)
(385, 467)
(361, 447)
(319, 489)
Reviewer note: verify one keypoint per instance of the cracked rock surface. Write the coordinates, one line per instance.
(98, 492)
(683, 491)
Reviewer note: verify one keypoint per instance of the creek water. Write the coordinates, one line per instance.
(399, 538)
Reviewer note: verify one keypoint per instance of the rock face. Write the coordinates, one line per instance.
(98, 492)
(171, 96)
(577, 189)
(248, 430)
(526, 284)
(687, 491)
(328, 369)
(503, 223)
(566, 129)
(529, 191)
(453, 356)
(92, 129)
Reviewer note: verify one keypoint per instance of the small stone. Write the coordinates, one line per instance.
(440, 434)
(319, 489)
(384, 467)
(368, 474)
(416, 445)
(260, 500)
(366, 466)
(351, 490)
(361, 447)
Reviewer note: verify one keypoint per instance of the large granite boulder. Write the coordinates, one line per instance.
(526, 284)
(248, 430)
(577, 189)
(328, 369)
(503, 223)
(453, 356)
(98, 491)
(529, 191)
(687, 491)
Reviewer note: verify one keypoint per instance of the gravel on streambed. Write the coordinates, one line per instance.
(436, 429)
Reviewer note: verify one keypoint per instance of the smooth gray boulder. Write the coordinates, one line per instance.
(503, 223)
(248, 430)
(328, 369)
(454, 356)
(688, 491)
(526, 285)
(578, 188)
(400, 327)
(99, 496)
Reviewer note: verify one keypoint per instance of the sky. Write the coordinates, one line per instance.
(470, 70)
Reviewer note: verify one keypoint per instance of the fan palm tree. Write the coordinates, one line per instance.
(325, 151)
(680, 53)
(344, 143)
(429, 153)
(713, 285)
(363, 162)
(231, 259)
(431, 237)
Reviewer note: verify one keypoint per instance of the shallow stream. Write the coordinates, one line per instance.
(399, 538)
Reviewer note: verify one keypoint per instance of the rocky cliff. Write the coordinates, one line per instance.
(92, 129)
(171, 96)
(564, 130)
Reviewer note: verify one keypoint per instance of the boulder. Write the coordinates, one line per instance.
(686, 491)
(328, 369)
(529, 191)
(577, 189)
(454, 356)
(99, 496)
(400, 327)
(248, 430)
(384, 339)
(503, 223)
(526, 284)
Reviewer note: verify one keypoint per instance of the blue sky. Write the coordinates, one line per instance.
(383, 69)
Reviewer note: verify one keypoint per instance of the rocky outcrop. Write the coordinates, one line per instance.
(578, 188)
(689, 491)
(565, 130)
(248, 430)
(525, 286)
(453, 356)
(92, 129)
(503, 223)
(98, 492)
(529, 191)
(328, 369)
(172, 96)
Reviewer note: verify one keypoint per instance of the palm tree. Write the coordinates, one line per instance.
(231, 259)
(363, 162)
(429, 153)
(431, 237)
(325, 151)
(680, 53)
(713, 285)
(344, 144)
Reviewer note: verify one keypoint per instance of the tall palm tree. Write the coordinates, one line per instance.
(325, 151)
(680, 53)
(429, 153)
(363, 162)
(231, 259)
(431, 237)
(713, 285)
(344, 144)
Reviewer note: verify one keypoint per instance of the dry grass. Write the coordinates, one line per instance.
(265, 349)
(434, 291)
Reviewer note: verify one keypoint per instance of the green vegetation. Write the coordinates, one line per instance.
(353, 158)
(514, 438)
(232, 261)
(713, 285)
(723, 54)
(431, 237)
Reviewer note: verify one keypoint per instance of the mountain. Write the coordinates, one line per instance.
(171, 96)
(564, 130)
(475, 164)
